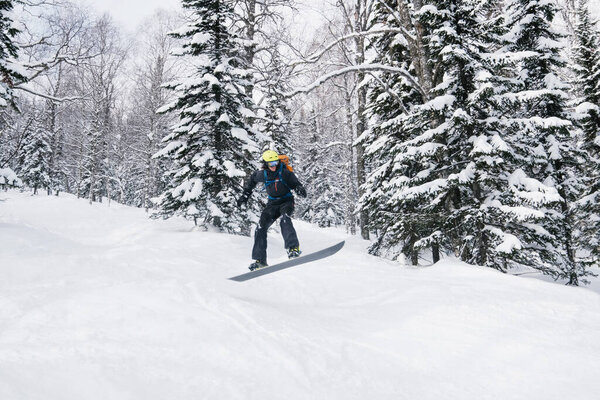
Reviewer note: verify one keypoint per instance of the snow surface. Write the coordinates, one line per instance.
(99, 302)
(8, 176)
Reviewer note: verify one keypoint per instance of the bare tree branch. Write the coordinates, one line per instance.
(48, 97)
(313, 58)
(357, 68)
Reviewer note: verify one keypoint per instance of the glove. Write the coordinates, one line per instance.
(301, 191)
(242, 200)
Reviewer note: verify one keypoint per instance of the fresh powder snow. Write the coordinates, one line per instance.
(99, 302)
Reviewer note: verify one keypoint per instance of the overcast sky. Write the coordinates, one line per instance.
(130, 13)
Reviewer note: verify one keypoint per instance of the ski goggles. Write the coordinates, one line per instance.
(272, 163)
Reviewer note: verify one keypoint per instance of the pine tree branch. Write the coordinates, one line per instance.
(19, 144)
(389, 91)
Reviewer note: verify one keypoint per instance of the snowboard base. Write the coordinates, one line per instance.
(317, 255)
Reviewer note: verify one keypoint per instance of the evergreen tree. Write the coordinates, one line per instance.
(540, 133)
(444, 169)
(586, 64)
(460, 157)
(35, 157)
(8, 52)
(586, 57)
(213, 145)
(389, 99)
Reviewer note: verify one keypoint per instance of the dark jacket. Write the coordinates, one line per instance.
(278, 187)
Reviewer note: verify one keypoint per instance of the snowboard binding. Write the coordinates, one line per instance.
(293, 252)
(257, 265)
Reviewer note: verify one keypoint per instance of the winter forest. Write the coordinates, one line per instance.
(432, 128)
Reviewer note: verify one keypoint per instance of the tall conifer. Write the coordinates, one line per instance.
(8, 53)
(213, 144)
(390, 97)
(586, 64)
(35, 157)
(541, 134)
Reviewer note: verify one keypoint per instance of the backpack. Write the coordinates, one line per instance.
(286, 160)
(277, 180)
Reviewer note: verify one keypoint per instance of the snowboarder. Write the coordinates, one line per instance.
(278, 181)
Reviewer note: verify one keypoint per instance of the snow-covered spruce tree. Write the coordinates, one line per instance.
(8, 53)
(586, 64)
(35, 156)
(447, 167)
(390, 97)
(212, 146)
(9, 76)
(541, 134)
(461, 158)
(13, 128)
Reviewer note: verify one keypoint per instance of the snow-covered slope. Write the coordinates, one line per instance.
(99, 302)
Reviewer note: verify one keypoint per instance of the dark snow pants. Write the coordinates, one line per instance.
(272, 211)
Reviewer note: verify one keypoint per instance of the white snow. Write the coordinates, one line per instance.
(532, 190)
(190, 190)
(99, 302)
(200, 38)
(440, 102)
(481, 145)
(585, 108)
(231, 170)
(8, 177)
(240, 133)
(509, 243)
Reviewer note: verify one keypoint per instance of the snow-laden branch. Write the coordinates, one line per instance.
(41, 41)
(334, 144)
(47, 96)
(356, 68)
(313, 58)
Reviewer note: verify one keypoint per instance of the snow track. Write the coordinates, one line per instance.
(99, 302)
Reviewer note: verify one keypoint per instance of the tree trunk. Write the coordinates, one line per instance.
(250, 33)
(351, 194)
(414, 253)
(361, 21)
(435, 252)
(360, 162)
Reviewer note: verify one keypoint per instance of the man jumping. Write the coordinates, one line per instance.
(278, 181)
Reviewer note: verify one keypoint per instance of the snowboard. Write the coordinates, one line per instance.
(317, 255)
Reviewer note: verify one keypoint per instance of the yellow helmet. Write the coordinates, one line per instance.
(270, 155)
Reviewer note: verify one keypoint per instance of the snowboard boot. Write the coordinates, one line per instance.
(293, 252)
(257, 265)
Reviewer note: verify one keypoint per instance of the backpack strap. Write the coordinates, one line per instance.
(278, 179)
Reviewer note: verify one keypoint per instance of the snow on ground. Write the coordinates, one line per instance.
(99, 302)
